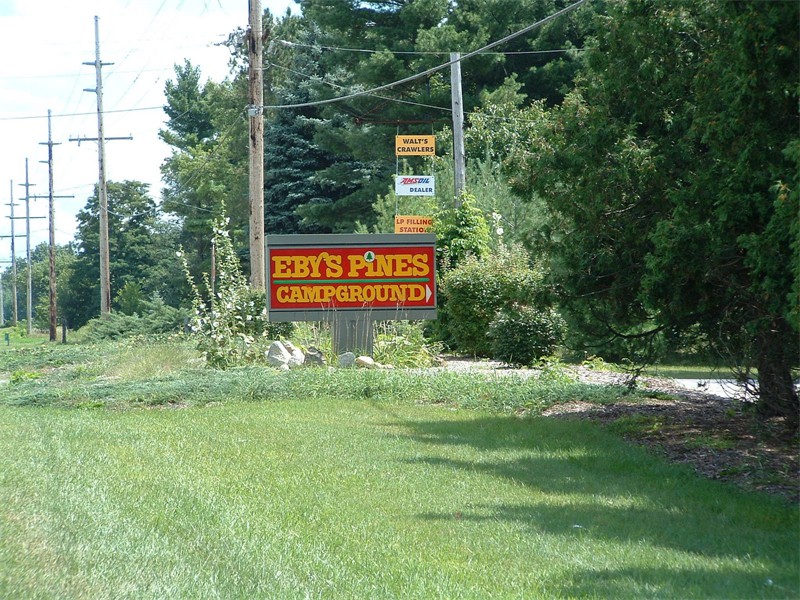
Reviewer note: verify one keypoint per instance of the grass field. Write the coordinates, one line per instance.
(349, 485)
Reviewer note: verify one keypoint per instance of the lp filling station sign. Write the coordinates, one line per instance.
(391, 276)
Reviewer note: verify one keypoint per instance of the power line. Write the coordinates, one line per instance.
(82, 114)
(423, 52)
(341, 87)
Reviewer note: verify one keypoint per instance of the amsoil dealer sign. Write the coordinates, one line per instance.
(312, 276)
(414, 185)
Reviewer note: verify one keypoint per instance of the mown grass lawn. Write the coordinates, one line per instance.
(338, 498)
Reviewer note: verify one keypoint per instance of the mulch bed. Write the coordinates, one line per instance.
(720, 438)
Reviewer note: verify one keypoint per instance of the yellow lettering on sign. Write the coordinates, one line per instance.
(389, 265)
(323, 264)
(350, 294)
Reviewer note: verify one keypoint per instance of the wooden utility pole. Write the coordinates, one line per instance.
(14, 310)
(457, 104)
(51, 229)
(28, 185)
(255, 113)
(102, 192)
(102, 188)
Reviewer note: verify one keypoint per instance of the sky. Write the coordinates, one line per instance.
(43, 46)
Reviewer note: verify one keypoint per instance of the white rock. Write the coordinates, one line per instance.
(278, 355)
(296, 356)
(366, 362)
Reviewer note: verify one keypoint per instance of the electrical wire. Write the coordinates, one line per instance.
(340, 87)
(420, 52)
(81, 114)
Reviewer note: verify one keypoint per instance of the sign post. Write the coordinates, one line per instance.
(350, 281)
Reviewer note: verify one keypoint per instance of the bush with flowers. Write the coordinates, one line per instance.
(230, 322)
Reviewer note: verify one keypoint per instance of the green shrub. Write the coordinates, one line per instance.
(476, 290)
(403, 344)
(130, 299)
(461, 232)
(110, 326)
(522, 335)
(156, 318)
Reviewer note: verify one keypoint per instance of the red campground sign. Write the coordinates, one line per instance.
(392, 276)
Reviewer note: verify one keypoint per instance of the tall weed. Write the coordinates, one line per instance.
(231, 326)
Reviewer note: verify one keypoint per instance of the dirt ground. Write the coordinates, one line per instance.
(720, 438)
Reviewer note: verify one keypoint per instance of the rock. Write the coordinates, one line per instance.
(296, 356)
(278, 355)
(315, 357)
(348, 359)
(366, 362)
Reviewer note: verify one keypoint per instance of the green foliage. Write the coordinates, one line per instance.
(461, 232)
(130, 299)
(206, 174)
(522, 335)
(141, 251)
(668, 172)
(290, 154)
(158, 317)
(231, 327)
(111, 326)
(65, 257)
(403, 344)
(476, 289)
(20, 375)
(154, 318)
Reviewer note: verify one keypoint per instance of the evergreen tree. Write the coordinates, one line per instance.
(672, 168)
(206, 174)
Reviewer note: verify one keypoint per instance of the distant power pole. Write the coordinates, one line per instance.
(102, 190)
(14, 312)
(457, 104)
(28, 185)
(51, 229)
(255, 112)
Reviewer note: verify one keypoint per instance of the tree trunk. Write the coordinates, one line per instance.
(777, 395)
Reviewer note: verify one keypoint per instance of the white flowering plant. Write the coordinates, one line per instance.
(231, 325)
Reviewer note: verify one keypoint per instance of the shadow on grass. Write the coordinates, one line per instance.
(665, 582)
(586, 483)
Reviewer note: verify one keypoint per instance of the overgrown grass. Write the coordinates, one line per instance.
(123, 377)
(351, 484)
